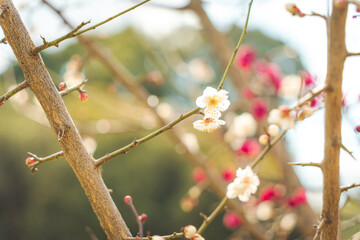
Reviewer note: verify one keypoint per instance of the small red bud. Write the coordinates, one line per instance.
(143, 218)
(357, 128)
(128, 199)
(29, 161)
(62, 86)
(2, 103)
(83, 97)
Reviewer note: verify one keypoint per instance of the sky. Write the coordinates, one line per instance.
(306, 35)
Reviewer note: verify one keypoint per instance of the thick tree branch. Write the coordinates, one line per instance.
(12, 92)
(75, 32)
(41, 84)
(333, 98)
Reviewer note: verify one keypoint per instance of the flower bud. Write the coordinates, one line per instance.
(29, 161)
(189, 231)
(2, 103)
(62, 86)
(273, 130)
(357, 128)
(128, 199)
(143, 218)
(264, 139)
(197, 237)
(83, 97)
(294, 10)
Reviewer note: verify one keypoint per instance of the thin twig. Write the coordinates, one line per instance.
(267, 149)
(311, 164)
(41, 160)
(345, 188)
(236, 48)
(74, 88)
(315, 14)
(136, 143)
(91, 233)
(208, 220)
(75, 32)
(171, 236)
(12, 92)
(319, 228)
(309, 96)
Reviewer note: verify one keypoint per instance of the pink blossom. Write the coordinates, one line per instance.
(250, 147)
(232, 220)
(259, 109)
(307, 79)
(298, 199)
(270, 192)
(198, 175)
(247, 93)
(228, 174)
(246, 57)
(271, 73)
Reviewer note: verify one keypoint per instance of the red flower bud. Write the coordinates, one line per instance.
(83, 97)
(128, 199)
(143, 218)
(357, 128)
(2, 103)
(29, 161)
(62, 86)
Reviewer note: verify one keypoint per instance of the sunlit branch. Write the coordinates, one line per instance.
(59, 40)
(12, 92)
(171, 236)
(244, 31)
(41, 160)
(345, 188)
(314, 14)
(136, 143)
(214, 214)
(311, 164)
(72, 89)
(351, 54)
(75, 32)
(267, 149)
(309, 96)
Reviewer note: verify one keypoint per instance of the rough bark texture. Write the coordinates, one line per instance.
(333, 99)
(61, 123)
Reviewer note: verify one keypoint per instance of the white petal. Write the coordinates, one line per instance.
(209, 91)
(212, 112)
(200, 102)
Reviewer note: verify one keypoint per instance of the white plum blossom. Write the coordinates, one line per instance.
(273, 130)
(245, 184)
(213, 101)
(189, 231)
(290, 87)
(282, 117)
(244, 125)
(208, 124)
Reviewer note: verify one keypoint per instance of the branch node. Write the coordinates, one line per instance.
(61, 133)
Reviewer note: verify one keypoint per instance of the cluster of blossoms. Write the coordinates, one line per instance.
(245, 184)
(213, 102)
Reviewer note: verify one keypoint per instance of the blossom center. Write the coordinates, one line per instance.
(213, 101)
(208, 121)
(246, 180)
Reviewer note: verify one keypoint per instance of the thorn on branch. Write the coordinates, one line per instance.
(61, 133)
(347, 150)
(3, 41)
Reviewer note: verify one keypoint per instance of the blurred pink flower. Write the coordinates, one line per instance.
(250, 147)
(232, 220)
(198, 175)
(270, 192)
(259, 109)
(228, 174)
(298, 199)
(271, 73)
(246, 57)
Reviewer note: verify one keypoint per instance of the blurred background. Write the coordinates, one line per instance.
(172, 52)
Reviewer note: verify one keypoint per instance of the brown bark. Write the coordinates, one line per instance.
(333, 102)
(40, 82)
